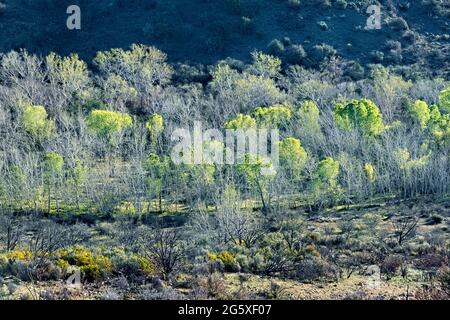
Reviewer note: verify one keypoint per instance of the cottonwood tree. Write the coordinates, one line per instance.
(36, 122)
(361, 114)
(258, 174)
(53, 165)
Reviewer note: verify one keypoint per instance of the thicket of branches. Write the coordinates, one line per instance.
(97, 139)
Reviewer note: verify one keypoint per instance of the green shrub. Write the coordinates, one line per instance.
(92, 266)
(295, 54)
(227, 258)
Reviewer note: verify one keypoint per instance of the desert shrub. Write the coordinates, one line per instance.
(276, 47)
(310, 269)
(341, 4)
(391, 264)
(92, 266)
(20, 254)
(211, 286)
(320, 53)
(295, 54)
(133, 266)
(227, 258)
(323, 25)
(265, 65)
(398, 23)
(434, 220)
(444, 280)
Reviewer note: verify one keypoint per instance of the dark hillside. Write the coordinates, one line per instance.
(206, 31)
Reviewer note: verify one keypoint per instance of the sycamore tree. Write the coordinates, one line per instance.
(420, 113)
(78, 174)
(308, 126)
(69, 78)
(439, 126)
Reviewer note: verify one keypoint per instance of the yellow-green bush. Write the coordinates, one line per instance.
(92, 266)
(228, 258)
(20, 254)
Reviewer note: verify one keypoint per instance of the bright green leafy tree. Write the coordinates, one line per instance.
(360, 114)
(273, 117)
(36, 122)
(108, 123)
(325, 184)
(258, 174)
(292, 156)
(444, 100)
(241, 122)
(53, 166)
(155, 126)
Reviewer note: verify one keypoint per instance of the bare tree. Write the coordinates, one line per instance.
(166, 249)
(405, 228)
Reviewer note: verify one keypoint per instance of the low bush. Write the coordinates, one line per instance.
(92, 266)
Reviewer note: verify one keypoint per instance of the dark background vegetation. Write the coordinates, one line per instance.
(205, 31)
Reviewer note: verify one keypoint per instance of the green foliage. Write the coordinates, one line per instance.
(155, 126)
(227, 258)
(35, 121)
(420, 112)
(273, 117)
(53, 164)
(360, 114)
(107, 123)
(403, 158)
(369, 170)
(125, 209)
(69, 72)
(292, 156)
(92, 266)
(241, 122)
(308, 116)
(157, 169)
(265, 65)
(145, 64)
(251, 88)
(20, 254)
(439, 126)
(79, 172)
(444, 100)
(328, 171)
(258, 173)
